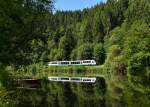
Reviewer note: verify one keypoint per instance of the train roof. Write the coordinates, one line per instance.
(72, 60)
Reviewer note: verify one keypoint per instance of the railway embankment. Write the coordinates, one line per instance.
(41, 71)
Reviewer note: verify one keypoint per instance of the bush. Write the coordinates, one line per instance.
(139, 69)
(139, 63)
(99, 53)
(85, 51)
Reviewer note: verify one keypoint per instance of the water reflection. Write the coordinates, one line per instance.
(79, 94)
(64, 94)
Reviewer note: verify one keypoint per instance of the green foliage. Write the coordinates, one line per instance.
(85, 51)
(5, 99)
(38, 48)
(138, 62)
(139, 70)
(116, 36)
(21, 22)
(99, 53)
(138, 10)
(66, 44)
(137, 39)
(115, 62)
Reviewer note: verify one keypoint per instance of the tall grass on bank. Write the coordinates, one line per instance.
(43, 71)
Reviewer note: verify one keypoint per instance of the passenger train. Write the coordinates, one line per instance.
(68, 63)
(73, 79)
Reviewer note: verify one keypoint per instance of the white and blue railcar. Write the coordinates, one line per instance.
(69, 63)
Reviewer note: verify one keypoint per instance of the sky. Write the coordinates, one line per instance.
(75, 4)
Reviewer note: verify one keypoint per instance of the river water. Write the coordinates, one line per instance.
(67, 94)
(64, 94)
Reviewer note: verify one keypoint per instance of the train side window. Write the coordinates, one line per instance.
(54, 78)
(86, 80)
(72, 62)
(84, 61)
(64, 78)
(67, 62)
(76, 79)
(62, 62)
(54, 62)
(88, 61)
(77, 62)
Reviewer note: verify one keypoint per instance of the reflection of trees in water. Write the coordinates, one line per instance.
(100, 86)
(77, 94)
(66, 96)
(92, 95)
(59, 94)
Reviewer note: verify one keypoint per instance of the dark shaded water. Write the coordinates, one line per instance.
(64, 94)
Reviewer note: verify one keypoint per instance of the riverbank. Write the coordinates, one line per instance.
(41, 71)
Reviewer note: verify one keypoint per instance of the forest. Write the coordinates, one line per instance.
(116, 34)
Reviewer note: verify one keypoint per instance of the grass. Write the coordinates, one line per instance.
(36, 71)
